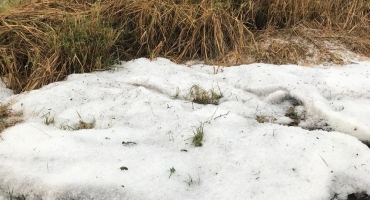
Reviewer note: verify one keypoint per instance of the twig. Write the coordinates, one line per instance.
(324, 160)
(221, 115)
(210, 119)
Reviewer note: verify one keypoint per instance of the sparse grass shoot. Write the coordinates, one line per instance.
(48, 119)
(172, 170)
(197, 139)
(190, 181)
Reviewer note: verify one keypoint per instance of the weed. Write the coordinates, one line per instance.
(198, 136)
(201, 96)
(172, 170)
(48, 119)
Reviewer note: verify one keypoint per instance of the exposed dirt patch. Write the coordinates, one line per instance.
(358, 196)
(298, 116)
(293, 114)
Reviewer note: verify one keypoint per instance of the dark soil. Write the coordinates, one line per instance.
(358, 196)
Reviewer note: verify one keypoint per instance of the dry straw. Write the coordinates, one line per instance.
(8, 117)
(43, 41)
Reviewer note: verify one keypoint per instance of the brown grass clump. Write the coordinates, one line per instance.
(179, 30)
(202, 96)
(280, 52)
(43, 41)
(8, 117)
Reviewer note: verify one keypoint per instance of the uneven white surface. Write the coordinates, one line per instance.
(240, 158)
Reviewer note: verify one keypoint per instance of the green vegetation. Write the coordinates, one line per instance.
(172, 170)
(198, 136)
(44, 41)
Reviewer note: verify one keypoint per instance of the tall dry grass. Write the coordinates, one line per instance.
(44, 41)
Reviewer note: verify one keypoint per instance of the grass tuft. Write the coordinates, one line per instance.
(202, 96)
(48, 119)
(198, 136)
(190, 181)
(265, 119)
(172, 170)
(80, 125)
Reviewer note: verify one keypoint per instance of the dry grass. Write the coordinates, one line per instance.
(44, 41)
(80, 125)
(265, 119)
(202, 96)
(8, 117)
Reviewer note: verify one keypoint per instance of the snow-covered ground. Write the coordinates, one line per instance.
(145, 119)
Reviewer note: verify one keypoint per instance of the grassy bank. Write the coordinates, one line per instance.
(44, 41)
